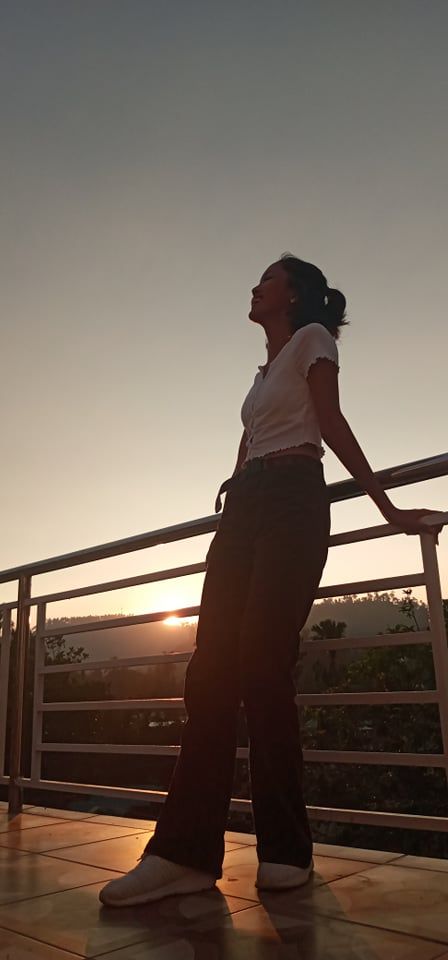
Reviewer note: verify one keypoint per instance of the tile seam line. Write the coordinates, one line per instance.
(60, 814)
(399, 933)
(85, 843)
(250, 906)
(63, 823)
(371, 926)
(80, 863)
(96, 956)
(389, 863)
(53, 893)
(74, 953)
(56, 823)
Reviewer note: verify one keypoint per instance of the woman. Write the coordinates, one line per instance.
(264, 566)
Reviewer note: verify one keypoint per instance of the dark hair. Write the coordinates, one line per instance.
(317, 302)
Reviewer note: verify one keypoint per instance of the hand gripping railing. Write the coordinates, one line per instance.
(400, 475)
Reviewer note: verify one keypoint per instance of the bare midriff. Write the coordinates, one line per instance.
(305, 449)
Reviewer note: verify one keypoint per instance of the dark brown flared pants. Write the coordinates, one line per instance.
(264, 566)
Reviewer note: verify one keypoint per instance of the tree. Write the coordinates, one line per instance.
(408, 608)
(396, 728)
(329, 630)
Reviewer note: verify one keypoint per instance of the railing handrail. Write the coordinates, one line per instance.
(349, 536)
(397, 476)
(401, 475)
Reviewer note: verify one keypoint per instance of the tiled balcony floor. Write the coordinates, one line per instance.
(360, 904)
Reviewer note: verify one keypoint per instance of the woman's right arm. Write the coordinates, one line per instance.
(336, 432)
(242, 453)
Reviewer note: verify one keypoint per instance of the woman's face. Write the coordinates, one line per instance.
(271, 297)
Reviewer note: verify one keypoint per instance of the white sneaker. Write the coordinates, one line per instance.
(282, 876)
(153, 878)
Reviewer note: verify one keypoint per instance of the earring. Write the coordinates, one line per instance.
(293, 299)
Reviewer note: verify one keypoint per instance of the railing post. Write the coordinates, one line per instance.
(4, 684)
(38, 692)
(438, 632)
(15, 799)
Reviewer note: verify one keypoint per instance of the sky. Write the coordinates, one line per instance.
(156, 158)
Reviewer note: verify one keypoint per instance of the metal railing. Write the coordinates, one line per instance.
(400, 475)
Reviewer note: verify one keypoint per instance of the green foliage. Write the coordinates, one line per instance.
(56, 653)
(327, 630)
(397, 728)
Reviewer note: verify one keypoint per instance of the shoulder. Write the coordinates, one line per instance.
(313, 331)
(312, 342)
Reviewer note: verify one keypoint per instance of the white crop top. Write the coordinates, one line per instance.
(278, 411)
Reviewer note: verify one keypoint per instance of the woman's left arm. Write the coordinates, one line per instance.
(323, 383)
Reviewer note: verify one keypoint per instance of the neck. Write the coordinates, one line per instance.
(276, 341)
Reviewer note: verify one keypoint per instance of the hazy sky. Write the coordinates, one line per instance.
(156, 157)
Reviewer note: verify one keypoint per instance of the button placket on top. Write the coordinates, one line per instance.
(254, 404)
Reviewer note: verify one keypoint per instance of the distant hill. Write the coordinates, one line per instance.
(364, 615)
(367, 614)
(136, 640)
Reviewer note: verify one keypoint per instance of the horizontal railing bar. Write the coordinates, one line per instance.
(343, 815)
(335, 540)
(419, 468)
(406, 638)
(370, 586)
(125, 793)
(118, 662)
(385, 640)
(379, 818)
(380, 759)
(353, 536)
(369, 698)
(168, 574)
(380, 530)
(242, 753)
(360, 534)
(147, 704)
(360, 586)
(369, 533)
(403, 474)
(397, 476)
(370, 817)
(143, 749)
(334, 590)
(115, 548)
(117, 622)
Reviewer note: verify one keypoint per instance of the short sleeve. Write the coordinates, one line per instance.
(312, 342)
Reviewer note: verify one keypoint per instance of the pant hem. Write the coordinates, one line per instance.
(176, 856)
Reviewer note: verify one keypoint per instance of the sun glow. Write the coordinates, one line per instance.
(175, 621)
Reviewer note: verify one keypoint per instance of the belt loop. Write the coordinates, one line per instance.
(224, 486)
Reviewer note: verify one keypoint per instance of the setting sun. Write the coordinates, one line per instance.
(175, 621)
